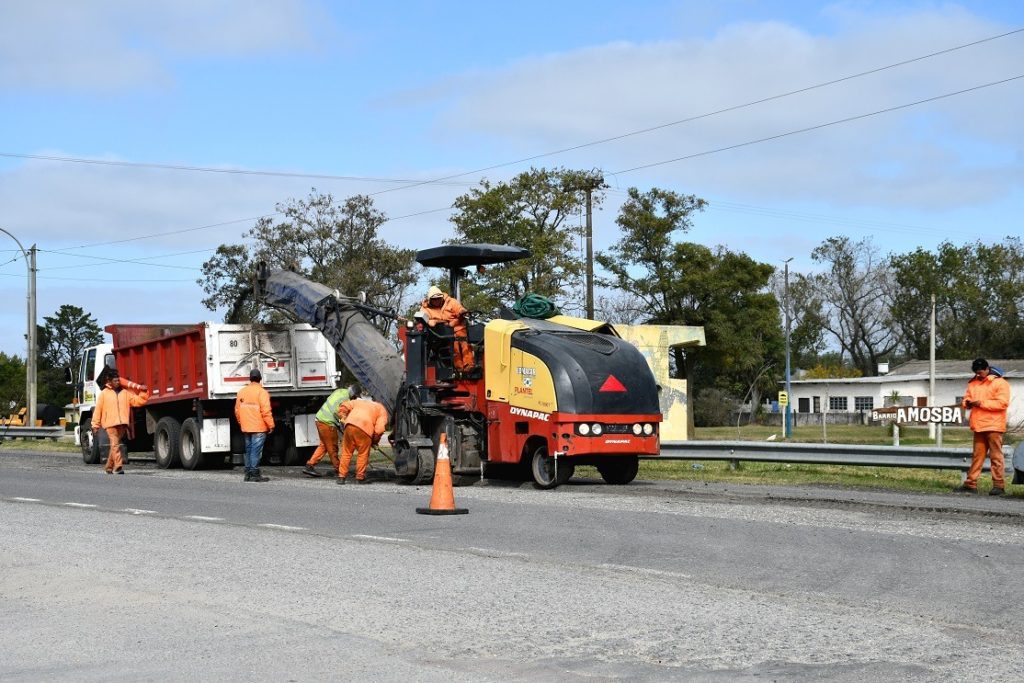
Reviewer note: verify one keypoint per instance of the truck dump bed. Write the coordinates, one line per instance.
(212, 360)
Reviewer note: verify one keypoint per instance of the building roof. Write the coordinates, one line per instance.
(919, 370)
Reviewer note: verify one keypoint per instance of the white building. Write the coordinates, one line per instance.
(907, 385)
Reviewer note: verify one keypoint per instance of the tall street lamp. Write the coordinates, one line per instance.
(30, 337)
(789, 419)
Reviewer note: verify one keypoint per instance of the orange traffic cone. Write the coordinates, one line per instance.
(442, 501)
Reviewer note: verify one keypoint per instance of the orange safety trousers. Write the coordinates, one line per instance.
(355, 439)
(990, 444)
(116, 435)
(328, 445)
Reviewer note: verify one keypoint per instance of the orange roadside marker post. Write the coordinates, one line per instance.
(442, 500)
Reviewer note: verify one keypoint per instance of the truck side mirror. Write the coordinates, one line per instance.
(69, 378)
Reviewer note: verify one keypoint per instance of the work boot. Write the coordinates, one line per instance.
(248, 475)
(997, 491)
(362, 481)
(121, 471)
(341, 481)
(964, 488)
(310, 471)
(256, 476)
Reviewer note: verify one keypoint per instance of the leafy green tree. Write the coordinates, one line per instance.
(533, 211)
(334, 244)
(979, 292)
(61, 341)
(682, 283)
(12, 383)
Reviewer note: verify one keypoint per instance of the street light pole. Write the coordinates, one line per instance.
(594, 183)
(30, 336)
(789, 419)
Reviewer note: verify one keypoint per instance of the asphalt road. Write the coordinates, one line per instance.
(181, 575)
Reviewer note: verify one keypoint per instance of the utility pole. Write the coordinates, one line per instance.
(931, 370)
(33, 343)
(30, 331)
(595, 181)
(789, 423)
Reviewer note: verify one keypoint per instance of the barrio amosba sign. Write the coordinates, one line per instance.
(938, 414)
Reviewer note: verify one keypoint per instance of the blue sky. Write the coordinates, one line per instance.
(421, 90)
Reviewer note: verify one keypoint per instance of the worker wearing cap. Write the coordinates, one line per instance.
(252, 410)
(441, 308)
(327, 425)
(365, 421)
(987, 397)
(114, 413)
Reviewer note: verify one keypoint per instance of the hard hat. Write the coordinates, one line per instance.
(434, 292)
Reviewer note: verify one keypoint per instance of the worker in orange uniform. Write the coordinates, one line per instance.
(987, 397)
(365, 421)
(252, 410)
(114, 413)
(441, 308)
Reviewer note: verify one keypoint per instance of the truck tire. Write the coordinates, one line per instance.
(90, 449)
(619, 471)
(191, 445)
(167, 443)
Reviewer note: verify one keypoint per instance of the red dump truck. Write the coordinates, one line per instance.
(194, 372)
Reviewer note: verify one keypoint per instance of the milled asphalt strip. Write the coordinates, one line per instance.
(79, 505)
(201, 518)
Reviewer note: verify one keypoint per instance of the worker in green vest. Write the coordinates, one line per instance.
(327, 425)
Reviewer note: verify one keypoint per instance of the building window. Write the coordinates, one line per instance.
(863, 402)
(817, 404)
(837, 403)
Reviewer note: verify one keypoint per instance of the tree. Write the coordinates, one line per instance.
(853, 297)
(681, 283)
(12, 383)
(979, 292)
(529, 211)
(61, 341)
(331, 244)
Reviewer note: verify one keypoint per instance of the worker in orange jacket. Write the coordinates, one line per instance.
(987, 397)
(365, 421)
(252, 410)
(114, 413)
(441, 308)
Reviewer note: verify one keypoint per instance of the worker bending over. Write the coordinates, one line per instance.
(441, 308)
(365, 421)
(327, 425)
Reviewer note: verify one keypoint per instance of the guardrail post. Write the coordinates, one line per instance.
(895, 434)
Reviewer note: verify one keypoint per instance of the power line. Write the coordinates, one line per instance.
(143, 260)
(819, 126)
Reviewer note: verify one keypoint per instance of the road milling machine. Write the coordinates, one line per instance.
(546, 395)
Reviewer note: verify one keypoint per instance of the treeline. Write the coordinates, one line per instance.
(858, 308)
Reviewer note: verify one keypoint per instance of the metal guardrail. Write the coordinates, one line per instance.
(822, 454)
(14, 432)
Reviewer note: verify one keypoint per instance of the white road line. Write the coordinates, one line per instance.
(137, 511)
(200, 518)
(644, 570)
(26, 500)
(496, 553)
(80, 505)
(282, 527)
(386, 539)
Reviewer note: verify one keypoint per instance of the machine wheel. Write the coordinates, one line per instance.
(619, 471)
(167, 443)
(90, 449)
(542, 467)
(191, 445)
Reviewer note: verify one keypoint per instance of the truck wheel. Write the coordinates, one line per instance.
(542, 467)
(191, 445)
(90, 449)
(619, 471)
(167, 443)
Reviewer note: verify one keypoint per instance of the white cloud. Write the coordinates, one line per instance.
(116, 44)
(543, 103)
